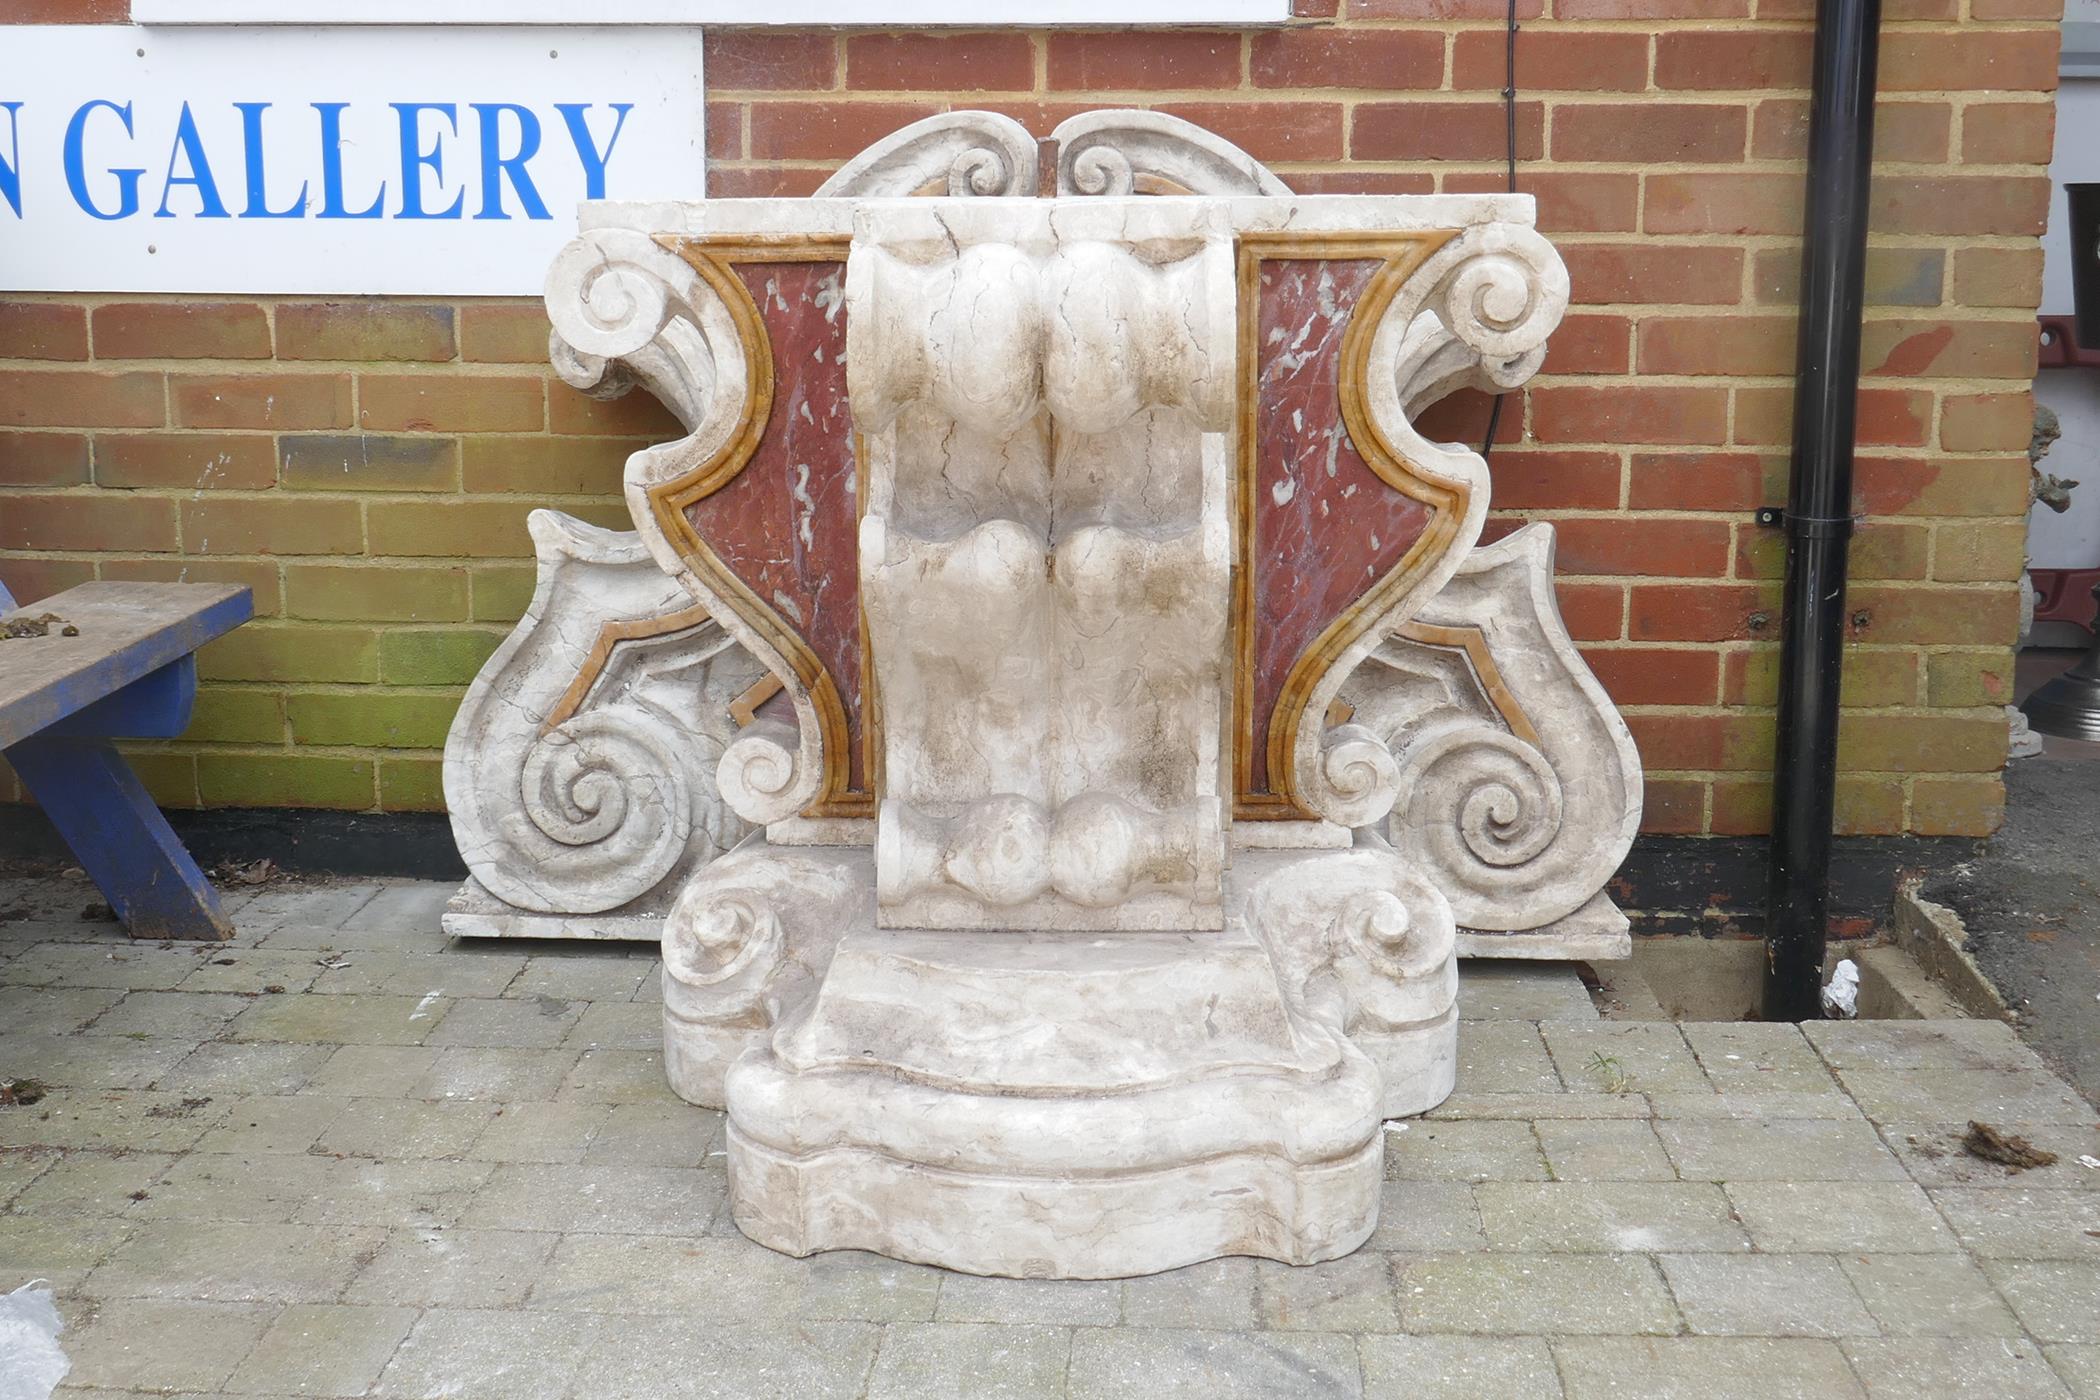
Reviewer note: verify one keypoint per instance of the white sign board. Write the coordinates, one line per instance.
(367, 160)
(977, 13)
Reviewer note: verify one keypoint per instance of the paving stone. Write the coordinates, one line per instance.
(402, 909)
(1459, 1368)
(2077, 1367)
(373, 1071)
(2003, 1098)
(1609, 1217)
(1535, 1107)
(1350, 1294)
(619, 1025)
(92, 1183)
(2058, 1300)
(1217, 1293)
(1157, 1363)
(1958, 1368)
(1580, 1149)
(1515, 1294)
(2008, 1224)
(302, 904)
(26, 1011)
(477, 1354)
(1936, 1296)
(607, 1198)
(395, 1193)
(1917, 1045)
(673, 1277)
(1522, 991)
(251, 970)
(1464, 1150)
(1933, 1154)
(1704, 1368)
(1824, 1217)
(1762, 1106)
(1066, 1302)
(278, 1124)
(129, 966)
(19, 1166)
(848, 1285)
(592, 976)
(1767, 1295)
(191, 1016)
(258, 1188)
(234, 1263)
(1758, 1057)
(1427, 1217)
(343, 1020)
(1504, 1057)
(223, 1068)
(960, 1358)
(431, 1267)
(539, 1132)
(538, 1024)
(61, 1248)
(322, 1349)
(91, 1062)
(618, 1076)
(475, 973)
(1623, 1056)
(671, 1359)
(112, 1120)
(1797, 1150)
(160, 1344)
(398, 1128)
(655, 1134)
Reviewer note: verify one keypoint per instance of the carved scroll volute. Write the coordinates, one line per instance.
(1137, 152)
(954, 153)
(626, 309)
(1495, 291)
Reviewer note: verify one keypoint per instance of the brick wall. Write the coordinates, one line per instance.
(366, 465)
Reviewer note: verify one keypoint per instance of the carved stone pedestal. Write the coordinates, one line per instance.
(1127, 737)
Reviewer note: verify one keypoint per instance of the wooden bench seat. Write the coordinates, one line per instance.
(119, 663)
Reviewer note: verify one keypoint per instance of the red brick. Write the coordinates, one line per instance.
(1270, 131)
(186, 461)
(1442, 9)
(65, 398)
(1538, 480)
(1987, 422)
(1357, 181)
(1143, 60)
(1960, 205)
(1592, 611)
(1952, 615)
(834, 131)
(1569, 201)
(366, 329)
(182, 330)
(771, 181)
(430, 403)
(1658, 413)
(1950, 350)
(1969, 59)
(1730, 481)
(637, 414)
(258, 576)
(1995, 277)
(1463, 417)
(43, 459)
(494, 332)
(1895, 276)
(1957, 806)
(1989, 486)
(1315, 9)
(2016, 9)
(1651, 9)
(1633, 545)
(1389, 59)
(1881, 549)
(772, 60)
(1650, 132)
(42, 330)
(1656, 675)
(2008, 133)
(111, 521)
(288, 401)
(1744, 60)
(1603, 273)
(1435, 130)
(31, 580)
(1903, 131)
(1001, 61)
(1673, 807)
(1723, 203)
(272, 525)
(1886, 417)
(1725, 743)
(1702, 612)
(1560, 60)
(1589, 344)
(1738, 344)
(68, 11)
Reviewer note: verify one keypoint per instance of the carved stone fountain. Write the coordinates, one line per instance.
(1051, 707)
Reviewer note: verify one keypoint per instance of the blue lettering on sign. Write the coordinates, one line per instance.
(510, 141)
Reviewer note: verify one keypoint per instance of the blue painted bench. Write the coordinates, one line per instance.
(128, 672)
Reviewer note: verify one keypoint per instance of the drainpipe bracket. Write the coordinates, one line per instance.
(1807, 527)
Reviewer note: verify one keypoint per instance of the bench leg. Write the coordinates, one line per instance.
(120, 837)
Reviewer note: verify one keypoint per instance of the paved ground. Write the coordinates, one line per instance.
(344, 1158)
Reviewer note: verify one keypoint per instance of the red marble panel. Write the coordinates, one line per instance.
(788, 524)
(1326, 527)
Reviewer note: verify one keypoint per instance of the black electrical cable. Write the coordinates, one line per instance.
(1509, 123)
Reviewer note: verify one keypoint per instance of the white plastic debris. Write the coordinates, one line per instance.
(2021, 741)
(1841, 997)
(31, 1361)
(2089, 1162)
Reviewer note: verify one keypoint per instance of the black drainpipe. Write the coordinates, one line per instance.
(1819, 503)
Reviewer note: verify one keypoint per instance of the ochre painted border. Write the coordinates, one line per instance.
(713, 259)
(610, 636)
(1474, 643)
(1403, 254)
